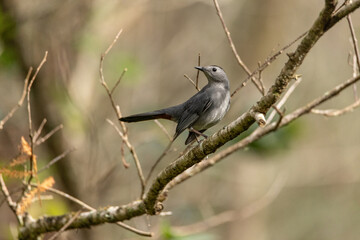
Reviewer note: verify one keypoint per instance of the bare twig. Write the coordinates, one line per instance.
(233, 48)
(281, 114)
(118, 114)
(355, 72)
(197, 74)
(56, 235)
(10, 202)
(122, 151)
(356, 62)
(284, 98)
(86, 206)
(334, 112)
(163, 129)
(38, 132)
(341, 6)
(192, 82)
(118, 81)
(29, 89)
(31, 134)
(261, 82)
(47, 136)
(102, 79)
(42, 197)
(267, 63)
(56, 159)
(20, 102)
(133, 153)
(354, 40)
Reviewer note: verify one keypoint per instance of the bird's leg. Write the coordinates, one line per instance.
(197, 132)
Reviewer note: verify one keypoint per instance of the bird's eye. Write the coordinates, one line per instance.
(214, 69)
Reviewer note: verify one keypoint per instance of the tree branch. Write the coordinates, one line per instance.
(84, 220)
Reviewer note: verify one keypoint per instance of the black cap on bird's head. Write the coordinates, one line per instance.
(214, 73)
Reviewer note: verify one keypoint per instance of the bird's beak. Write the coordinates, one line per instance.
(200, 68)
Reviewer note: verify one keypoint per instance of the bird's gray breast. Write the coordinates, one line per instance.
(220, 98)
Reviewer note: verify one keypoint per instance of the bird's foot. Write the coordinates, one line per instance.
(198, 132)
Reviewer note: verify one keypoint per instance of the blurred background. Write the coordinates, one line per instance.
(311, 167)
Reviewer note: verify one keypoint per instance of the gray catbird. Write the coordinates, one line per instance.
(201, 111)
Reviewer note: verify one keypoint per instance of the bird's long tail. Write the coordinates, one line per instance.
(147, 116)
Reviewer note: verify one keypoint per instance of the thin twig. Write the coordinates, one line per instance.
(232, 46)
(86, 206)
(267, 63)
(198, 73)
(20, 102)
(29, 89)
(122, 151)
(339, 8)
(284, 98)
(42, 197)
(56, 159)
(10, 202)
(355, 72)
(354, 40)
(335, 112)
(281, 114)
(163, 129)
(192, 82)
(57, 234)
(133, 153)
(126, 165)
(38, 132)
(260, 80)
(31, 134)
(118, 81)
(47, 136)
(356, 48)
(118, 114)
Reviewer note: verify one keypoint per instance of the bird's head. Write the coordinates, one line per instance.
(214, 74)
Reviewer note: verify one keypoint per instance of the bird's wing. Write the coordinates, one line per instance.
(193, 110)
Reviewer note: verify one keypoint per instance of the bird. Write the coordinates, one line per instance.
(202, 111)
